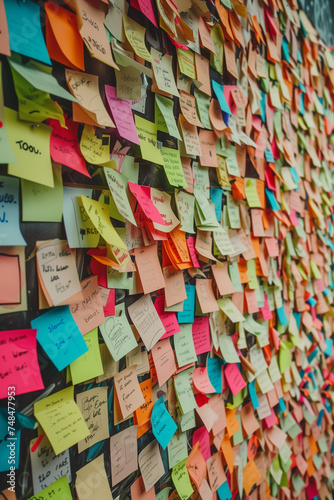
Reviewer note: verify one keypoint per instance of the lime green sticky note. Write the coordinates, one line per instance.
(42, 203)
(238, 436)
(147, 135)
(181, 480)
(31, 146)
(61, 419)
(251, 271)
(251, 193)
(284, 356)
(173, 167)
(89, 365)
(35, 105)
(164, 117)
(202, 106)
(216, 59)
(59, 489)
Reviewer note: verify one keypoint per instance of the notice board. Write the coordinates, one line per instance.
(166, 249)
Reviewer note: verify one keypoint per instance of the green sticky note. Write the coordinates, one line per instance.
(89, 365)
(147, 135)
(184, 345)
(251, 193)
(59, 489)
(251, 271)
(42, 203)
(216, 59)
(164, 116)
(184, 391)
(118, 336)
(202, 106)
(181, 480)
(173, 167)
(188, 421)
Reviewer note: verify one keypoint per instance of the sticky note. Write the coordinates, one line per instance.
(163, 426)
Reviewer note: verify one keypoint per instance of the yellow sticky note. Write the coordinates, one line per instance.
(61, 420)
(89, 365)
(251, 193)
(186, 60)
(135, 35)
(173, 167)
(147, 135)
(99, 215)
(92, 148)
(31, 146)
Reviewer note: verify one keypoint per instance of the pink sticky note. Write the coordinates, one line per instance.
(272, 247)
(122, 114)
(108, 300)
(201, 435)
(142, 195)
(64, 146)
(234, 378)
(169, 319)
(138, 491)
(10, 290)
(19, 364)
(145, 6)
(191, 248)
(266, 312)
(271, 420)
(201, 335)
(202, 382)
(164, 360)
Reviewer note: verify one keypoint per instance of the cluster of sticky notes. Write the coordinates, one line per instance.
(167, 177)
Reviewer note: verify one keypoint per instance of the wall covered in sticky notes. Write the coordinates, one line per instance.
(166, 250)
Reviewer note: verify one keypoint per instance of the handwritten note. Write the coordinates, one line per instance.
(61, 420)
(147, 321)
(10, 233)
(128, 391)
(19, 364)
(118, 336)
(122, 115)
(88, 365)
(88, 313)
(92, 481)
(163, 426)
(150, 464)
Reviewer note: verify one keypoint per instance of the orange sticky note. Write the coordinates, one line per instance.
(251, 476)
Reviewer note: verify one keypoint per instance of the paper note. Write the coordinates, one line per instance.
(163, 426)
(88, 313)
(135, 34)
(59, 336)
(173, 167)
(184, 392)
(164, 117)
(61, 488)
(92, 481)
(99, 215)
(150, 464)
(164, 360)
(128, 391)
(205, 296)
(138, 491)
(124, 454)
(122, 115)
(149, 269)
(201, 335)
(57, 271)
(31, 146)
(4, 37)
(181, 480)
(19, 364)
(184, 346)
(118, 336)
(228, 350)
(89, 365)
(23, 40)
(147, 134)
(85, 88)
(45, 465)
(228, 307)
(147, 321)
(61, 420)
(234, 378)
(163, 72)
(10, 233)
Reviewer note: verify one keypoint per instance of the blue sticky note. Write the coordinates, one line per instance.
(281, 405)
(188, 313)
(219, 91)
(216, 195)
(10, 429)
(58, 334)
(269, 156)
(301, 105)
(10, 232)
(224, 492)
(25, 30)
(320, 417)
(214, 367)
(263, 106)
(329, 348)
(294, 175)
(163, 426)
(298, 318)
(285, 50)
(274, 205)
(282, 316)
(253, 395)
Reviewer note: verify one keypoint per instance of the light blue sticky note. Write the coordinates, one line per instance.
(253, 395)
(224, 492)
(285, 50)
(10, 232)
(274, 205)
(58, 334)
(269, 156)
(188, 313)
(214, 367)
(163, 426)
(329, 348)
(216, 195)
(282, 316)
(263, 106)
(25, 30)
(219, 91)
(9, 447)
